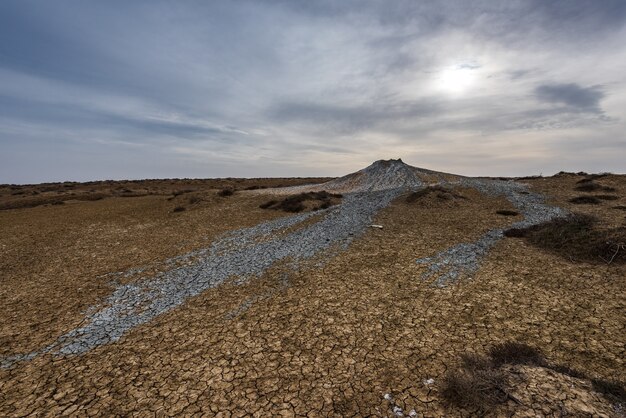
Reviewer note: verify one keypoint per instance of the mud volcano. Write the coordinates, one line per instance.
(250, 252)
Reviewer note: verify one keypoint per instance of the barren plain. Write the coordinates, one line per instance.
(384, 293)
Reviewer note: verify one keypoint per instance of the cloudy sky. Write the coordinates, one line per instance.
(152, 89)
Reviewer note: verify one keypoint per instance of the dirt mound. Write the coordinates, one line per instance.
(380, 175)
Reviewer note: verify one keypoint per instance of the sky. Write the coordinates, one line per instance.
(116, 89)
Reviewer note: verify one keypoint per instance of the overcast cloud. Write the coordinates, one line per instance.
(146, 89)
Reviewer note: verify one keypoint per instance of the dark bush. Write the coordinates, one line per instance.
(590, 186)
(324, 205)
(268, 204)
(529, 177)
(439, 191)
(585, 200)
(591, 177)
(179, 209)
(477, 384)
(183, 191)
(295, 203)
(194, 199)
(611, 388)
(516, 232)
(91, 196)
(620, 207)
(227, 191)
(515, 353)
(606, 197)
(506, 212)
(576, 238)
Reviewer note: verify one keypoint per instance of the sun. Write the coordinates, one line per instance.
(457, 79)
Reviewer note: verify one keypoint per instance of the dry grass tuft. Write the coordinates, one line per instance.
(476, 384)
(296, 203)
(610, 388)
(226, 191)
(585, 200)
(576, 238)
(506, 212)
(439, 191)
(590, 186)
(592, 177)
(480, 383)
(606, 197)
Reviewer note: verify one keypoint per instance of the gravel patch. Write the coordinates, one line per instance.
(242, 254)
(462, 260)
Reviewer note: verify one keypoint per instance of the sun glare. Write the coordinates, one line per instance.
(457, 80)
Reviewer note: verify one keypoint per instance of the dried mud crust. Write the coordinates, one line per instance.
(55, 261)
(339, 338)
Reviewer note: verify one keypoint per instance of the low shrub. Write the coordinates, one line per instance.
(577, 238)
(506, 212)
(440, 192)
(177, 193)
(591, 177)
(539, 176)
(479, 383)
(590, 186)
(585, 200)
(476, 384)
(227, 191)
(606, 197)
(179, 209)
(610, 388)
(479, 389)
(268, 204)
(295, 203)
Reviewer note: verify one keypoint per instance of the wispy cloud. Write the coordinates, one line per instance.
(572, 95)
(248, 87)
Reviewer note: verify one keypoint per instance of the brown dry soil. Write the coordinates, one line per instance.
(332, 341)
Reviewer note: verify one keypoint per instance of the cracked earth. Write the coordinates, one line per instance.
(361, 331)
